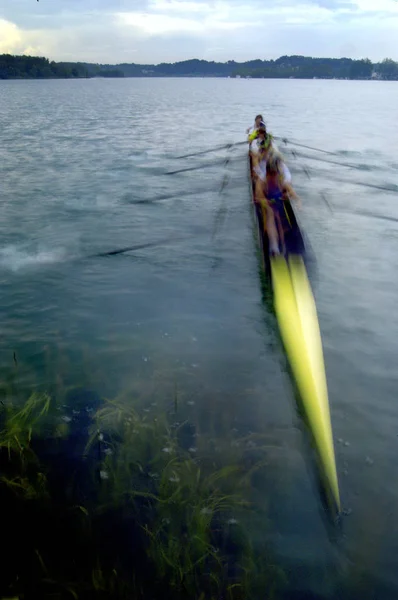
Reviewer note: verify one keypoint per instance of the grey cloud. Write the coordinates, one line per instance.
(30, 14)
(84, 30)
(142, 51)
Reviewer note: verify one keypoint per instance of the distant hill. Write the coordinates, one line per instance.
(285, 67)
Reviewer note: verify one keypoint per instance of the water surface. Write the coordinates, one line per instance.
(189, 311)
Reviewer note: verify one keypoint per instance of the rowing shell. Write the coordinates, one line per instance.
(298, 324)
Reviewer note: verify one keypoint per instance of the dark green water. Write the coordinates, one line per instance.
(189, 312)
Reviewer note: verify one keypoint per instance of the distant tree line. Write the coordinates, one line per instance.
(35, 67)
(295, 67)
(302, 67)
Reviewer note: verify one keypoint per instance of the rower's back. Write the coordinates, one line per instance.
(274, 182)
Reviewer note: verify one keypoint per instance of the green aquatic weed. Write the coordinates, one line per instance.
(180, 506)
(133, 513)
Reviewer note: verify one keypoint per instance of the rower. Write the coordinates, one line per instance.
(276, 158)
(275, 191)
(257, 121)
(259, 151)
(260, 148)
(257, 142)
(254, 133)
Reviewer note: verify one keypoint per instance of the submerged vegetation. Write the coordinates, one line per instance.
(107, 499)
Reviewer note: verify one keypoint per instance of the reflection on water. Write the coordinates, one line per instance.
(182, 332)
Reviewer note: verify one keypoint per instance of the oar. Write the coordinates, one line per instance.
(331, 162)
(158, 243)
(372, 215)
(174, 239)
(216, 149)
(392, 188)
(222, 161)
(286, 141)
(385, 188)
(354, 213)
(326, 201)
(231, 145)
(134, 247)
(172, 196)
(363, 213)
(183, 193)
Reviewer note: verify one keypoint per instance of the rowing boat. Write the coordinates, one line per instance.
(298, 324)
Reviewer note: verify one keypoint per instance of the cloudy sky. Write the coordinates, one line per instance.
(153, 31)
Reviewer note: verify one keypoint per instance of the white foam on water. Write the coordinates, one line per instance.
(14, 259)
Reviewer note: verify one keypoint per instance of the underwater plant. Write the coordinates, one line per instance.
(105, 499)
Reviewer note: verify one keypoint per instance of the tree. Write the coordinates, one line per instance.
(388, 69)
(361, 69)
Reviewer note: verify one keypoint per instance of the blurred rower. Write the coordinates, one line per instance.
(263, 153)
(260, 148)
(257, 122)
(276, 158)
(255, 132)
(275, 191)
(258, 142)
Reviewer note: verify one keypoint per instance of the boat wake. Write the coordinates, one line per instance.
(13, 258)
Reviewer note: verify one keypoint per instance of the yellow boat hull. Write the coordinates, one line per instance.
(298, 323)
(299, 327)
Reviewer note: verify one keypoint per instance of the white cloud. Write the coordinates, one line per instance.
(153, 24)
(202, 18)
(14, 40)
(10, 37)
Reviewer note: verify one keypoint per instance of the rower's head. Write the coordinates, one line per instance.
(261, 133)
(265, 144)
(258, 120)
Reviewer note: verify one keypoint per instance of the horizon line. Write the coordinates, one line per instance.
(199, 60)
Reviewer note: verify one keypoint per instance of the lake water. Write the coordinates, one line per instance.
(76, 156)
